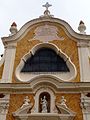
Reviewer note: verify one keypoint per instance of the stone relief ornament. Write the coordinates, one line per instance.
(62, 108)
(63, 102)
(4, 107)
(85, 103)
(26, 102)
(4, 104)
(25, 108)
(47, 33)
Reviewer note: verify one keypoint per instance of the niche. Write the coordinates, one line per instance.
(44, 102)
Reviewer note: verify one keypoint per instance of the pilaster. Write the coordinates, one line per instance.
(84, 60)
(4, 104)
(9, 62)
(85, 104)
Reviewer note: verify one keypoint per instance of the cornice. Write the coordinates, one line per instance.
(10, 45)
(26, 27)
(83, 44)
(66, 87)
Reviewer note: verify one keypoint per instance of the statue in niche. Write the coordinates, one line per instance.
(44, 104)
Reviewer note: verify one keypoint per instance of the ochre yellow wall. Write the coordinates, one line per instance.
(69, 47)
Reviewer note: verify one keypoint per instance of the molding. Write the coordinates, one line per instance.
(66, 87)
(83, 44)
(47, 45)
(10, 45)
(44, 116)
(26, 27)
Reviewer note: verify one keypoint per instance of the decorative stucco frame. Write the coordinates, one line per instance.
(64, 76)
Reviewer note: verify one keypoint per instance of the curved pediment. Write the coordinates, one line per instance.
(63, 75)
(28, 26)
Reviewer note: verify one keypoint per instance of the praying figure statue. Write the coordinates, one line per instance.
(44, 104)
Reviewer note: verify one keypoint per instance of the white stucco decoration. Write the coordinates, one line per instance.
(46, 33)
(62, 76)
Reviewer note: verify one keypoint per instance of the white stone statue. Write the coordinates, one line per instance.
(44, 104)
(63, 101)
(25, 108)
(26, 102)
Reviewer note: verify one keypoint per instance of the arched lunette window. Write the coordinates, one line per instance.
(45, 60)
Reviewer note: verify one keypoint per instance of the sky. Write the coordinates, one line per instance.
(22, 11)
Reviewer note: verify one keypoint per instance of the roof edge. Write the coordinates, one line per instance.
(27, 26)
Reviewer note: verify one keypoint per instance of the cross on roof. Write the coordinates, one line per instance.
(47, 5)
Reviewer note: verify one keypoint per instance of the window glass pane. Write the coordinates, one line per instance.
(45, 60)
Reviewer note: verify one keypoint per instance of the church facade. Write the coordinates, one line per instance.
(45, 71)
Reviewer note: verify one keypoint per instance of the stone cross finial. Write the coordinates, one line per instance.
(47, 5)
(47, 12)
